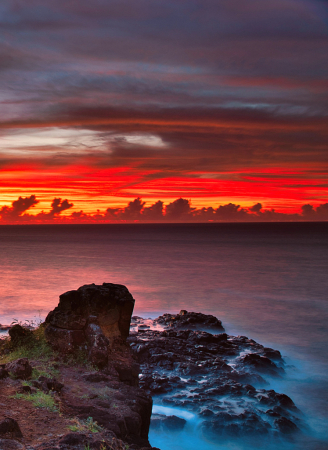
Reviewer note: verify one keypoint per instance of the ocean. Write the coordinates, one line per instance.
(265, 281)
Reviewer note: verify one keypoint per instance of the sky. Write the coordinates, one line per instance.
(140, 110)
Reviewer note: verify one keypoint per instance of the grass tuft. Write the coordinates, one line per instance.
(35, 347)
(39, 400)
(85, 425)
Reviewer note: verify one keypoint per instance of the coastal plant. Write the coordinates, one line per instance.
(85, 425)
(35, 347)
(39, 399)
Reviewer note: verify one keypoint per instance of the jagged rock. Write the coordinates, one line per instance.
(212, 375)
(92, 317)
(285, 425)
(241, 425)
(174, 423)
(20, 368)
(263, 364)
(191, 320)
(9, 426)
(20, 335)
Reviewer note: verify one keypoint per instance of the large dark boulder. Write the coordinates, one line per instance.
(20, 368)
(93, 317)
(20, 335)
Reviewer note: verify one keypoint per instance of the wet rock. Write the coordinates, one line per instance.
(191, 320)
(20, 368)
(215, 376)
(10, 427)
(274, 355)
(237, 425)
(174, 423)
(285, 425)
(262, 364)
(285, 401)
(206, 412)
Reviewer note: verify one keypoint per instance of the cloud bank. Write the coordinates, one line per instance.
(178, 211)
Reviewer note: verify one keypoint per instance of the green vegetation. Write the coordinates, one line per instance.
(85, 425)
(39, 400)
(34, 346)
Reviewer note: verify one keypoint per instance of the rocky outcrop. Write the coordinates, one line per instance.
(19, 335)
(220, 378)
(191, 321)
(93, 317)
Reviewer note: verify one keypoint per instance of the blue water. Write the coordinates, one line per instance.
(266, 281)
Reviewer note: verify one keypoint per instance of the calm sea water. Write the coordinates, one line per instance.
(266, 281)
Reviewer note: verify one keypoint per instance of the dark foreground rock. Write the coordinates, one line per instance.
(19, 335)
(97, 378)
(20, 368)
(222, 379)
(92, 317)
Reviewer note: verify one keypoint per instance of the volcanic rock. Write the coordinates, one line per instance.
(93, 317)
(190, 321)
(19, 335)
(215, 376)
(20, 368)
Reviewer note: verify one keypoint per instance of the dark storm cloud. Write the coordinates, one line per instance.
(227, 86)
(226, 38)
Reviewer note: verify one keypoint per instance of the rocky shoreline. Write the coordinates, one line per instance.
(100, 380)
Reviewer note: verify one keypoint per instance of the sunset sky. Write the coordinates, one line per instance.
(212, 101)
